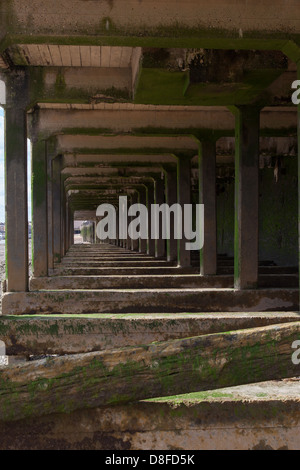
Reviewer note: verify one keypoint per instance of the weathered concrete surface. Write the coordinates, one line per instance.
(207, 196)
(113, 270)
(67, 383)
(149, 301)
(246, 198)
(139, 18)
(16, 211)
(34, 335)
(173, 144)
(121, 117)
(214, 421)
(129, 282)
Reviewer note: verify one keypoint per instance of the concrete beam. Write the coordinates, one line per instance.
(126, 117)
(220, 25)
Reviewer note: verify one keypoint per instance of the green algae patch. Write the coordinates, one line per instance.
(194, 397)
(161, 87)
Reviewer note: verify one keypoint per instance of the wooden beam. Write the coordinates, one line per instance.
(67, 383)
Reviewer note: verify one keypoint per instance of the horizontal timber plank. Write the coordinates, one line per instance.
(64, 384)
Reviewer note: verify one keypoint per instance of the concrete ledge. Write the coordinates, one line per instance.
(125, 271)
(130, 282)
(34, 335)
(259, 417)
(149, 301)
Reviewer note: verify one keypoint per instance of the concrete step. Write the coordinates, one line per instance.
(149, 301)
(118, 263)
(261, 416)
(130, 282)
(72, 334)
(155, 281)
(104, 256)
(135, 271)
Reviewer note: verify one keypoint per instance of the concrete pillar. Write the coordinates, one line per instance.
(150, 201)
(160, 244)
(183, 197)
(63, 217)
(66, 226)
(50, 214)
(67, 238)
(70, 228)
(56, 208)
(207, 196)
(171, 198)
(16, 214)
(39, 208)
(246, 197)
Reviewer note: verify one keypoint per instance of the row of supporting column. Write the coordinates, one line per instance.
(53, 220)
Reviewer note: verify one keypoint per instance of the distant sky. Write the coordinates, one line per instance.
(2, 195)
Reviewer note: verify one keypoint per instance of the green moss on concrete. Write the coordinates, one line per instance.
(60, 83)
(157, 86)
(176, 36)
(162, 87)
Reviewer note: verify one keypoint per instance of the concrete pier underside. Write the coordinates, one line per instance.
(163, 102)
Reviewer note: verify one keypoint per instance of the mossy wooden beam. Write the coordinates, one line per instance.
(67, 383)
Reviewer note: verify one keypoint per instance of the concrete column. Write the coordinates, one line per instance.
(67, 238)
(171, 198)
(160, 244)
(50, 214)
(56, 209)
(16, 184)
(150, 200)
(207, 196)
(66, 226)
(70, 228)
(246, 197)
(183, 197)
(63, 217)
(143, 200)
(39, 208)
